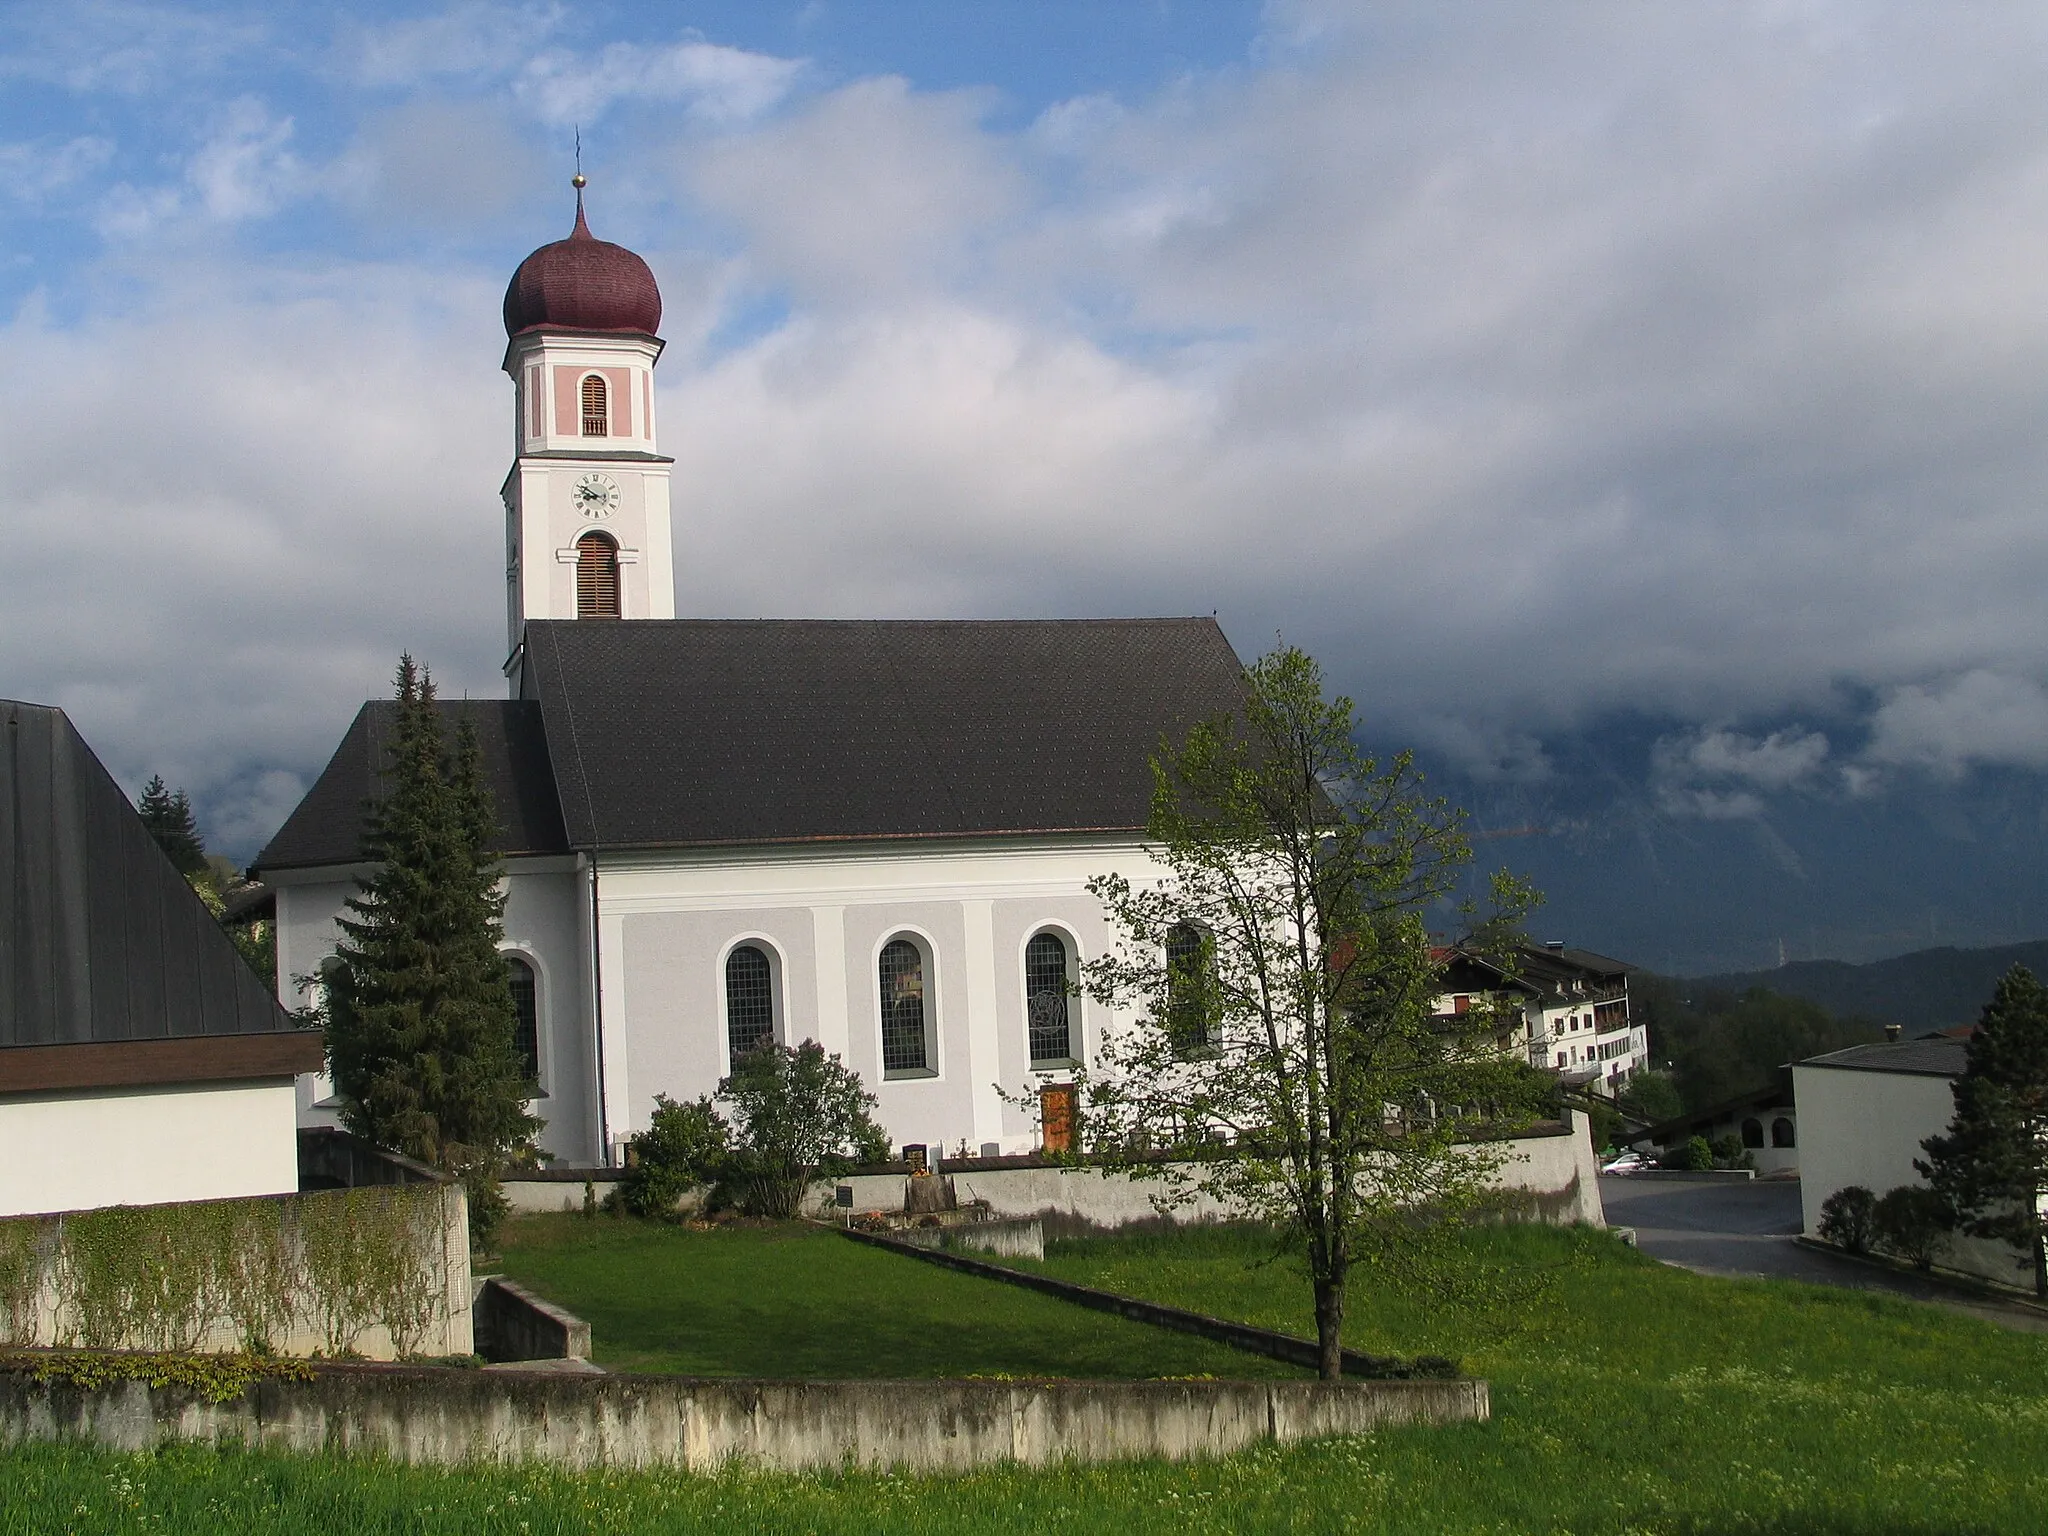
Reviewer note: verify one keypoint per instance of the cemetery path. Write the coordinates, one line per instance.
(1751, 1230)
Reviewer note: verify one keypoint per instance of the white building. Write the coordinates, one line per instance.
(1863, 1114)
(1573, 1015)
(142, 1061)
(873, 834)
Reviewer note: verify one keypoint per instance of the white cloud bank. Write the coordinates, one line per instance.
(1523, 363)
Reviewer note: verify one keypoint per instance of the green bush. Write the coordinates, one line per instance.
(797, 1115)
(1911, 1222)
(684, 1146)
(1847, 1218)
(1729, 1152)
(1694, 1156)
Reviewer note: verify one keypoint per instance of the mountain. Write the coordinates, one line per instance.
(1927, 989)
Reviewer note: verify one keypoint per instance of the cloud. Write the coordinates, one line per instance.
(1722, 775)
(106, 46)
(1981, 717)
(244, 169)
(487, 40)
(713, 84)
(31, 171)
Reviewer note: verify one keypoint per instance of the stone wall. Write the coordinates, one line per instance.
(1549, 1175)
(452, 1417)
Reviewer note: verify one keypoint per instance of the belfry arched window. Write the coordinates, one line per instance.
(597, 577)
(749, 999)
(1045, 999)
(906, 1047)
(596, 411)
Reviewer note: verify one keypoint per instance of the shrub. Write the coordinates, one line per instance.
(1911, 1222)
(1694, 1156)
(1729, 1152)
(1847, 1218)
(797, 1115)
(684, 1145)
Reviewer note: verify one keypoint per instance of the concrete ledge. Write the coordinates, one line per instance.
(1702, 1176)
(450, 1417)
(1257, 1341)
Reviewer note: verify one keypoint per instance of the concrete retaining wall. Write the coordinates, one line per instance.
(449, 1417)
(511, 1323)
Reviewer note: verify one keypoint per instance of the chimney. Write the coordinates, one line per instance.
(1893, 1031)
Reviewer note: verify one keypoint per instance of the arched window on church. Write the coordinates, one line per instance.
(597, 577)
(1045, 999)
(526, 1014)
(749, 999)
(596, 415)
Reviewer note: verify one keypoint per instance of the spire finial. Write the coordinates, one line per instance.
(579, 183)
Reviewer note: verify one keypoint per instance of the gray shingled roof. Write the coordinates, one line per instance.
(1931, 1056)
(327, 826)
(101, 939)
(674, 733)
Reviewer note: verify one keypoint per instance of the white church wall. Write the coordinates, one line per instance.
(669, 920)
(543, 898)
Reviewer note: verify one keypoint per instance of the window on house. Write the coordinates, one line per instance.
(597, 577)
(749, 999)
(1781, 1132)
(596, 416)
(526, 1014)
(1752, 1133)
(904, 1044)
(1045, 999)
(1190, 986)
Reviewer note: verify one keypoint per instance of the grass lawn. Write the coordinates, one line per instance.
(802, 1301)
(1631, 1398)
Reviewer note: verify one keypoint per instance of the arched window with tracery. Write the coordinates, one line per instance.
(906, 1048)
(526, 1014)
(1190, 986)
(597, 577)
(749, 999)
(596, 408)
(1045, 999)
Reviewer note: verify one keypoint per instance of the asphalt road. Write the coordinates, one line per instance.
(1748, 1230)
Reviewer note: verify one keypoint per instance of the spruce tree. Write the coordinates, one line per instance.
(168, 818)
(1992, 1166)
(420, 1020)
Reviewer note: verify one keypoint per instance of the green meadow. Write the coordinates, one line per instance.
(1627, 1397)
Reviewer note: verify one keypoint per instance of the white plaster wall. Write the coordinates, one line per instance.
(1865, 1128)
(147, 1146)
(668, 921)
(543, 902)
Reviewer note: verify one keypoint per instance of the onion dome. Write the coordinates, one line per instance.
(582, 284)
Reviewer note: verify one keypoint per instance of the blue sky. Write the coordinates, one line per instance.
(1551, 372)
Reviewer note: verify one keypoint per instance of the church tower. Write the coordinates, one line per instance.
(586, 503)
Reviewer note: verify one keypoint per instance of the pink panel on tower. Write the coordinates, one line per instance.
(567, 382)
(619, 381)
(533, 397)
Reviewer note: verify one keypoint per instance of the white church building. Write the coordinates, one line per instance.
(872, 833)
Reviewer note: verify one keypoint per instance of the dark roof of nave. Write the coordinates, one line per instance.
(328, 825)
(690, 732)
(680, 733)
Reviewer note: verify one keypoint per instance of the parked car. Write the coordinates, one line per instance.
(1628, 1162)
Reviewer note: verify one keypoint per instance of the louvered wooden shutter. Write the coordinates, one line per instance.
(596, 421)
(597, 578)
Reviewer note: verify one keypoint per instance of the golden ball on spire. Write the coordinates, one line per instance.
(578, 182)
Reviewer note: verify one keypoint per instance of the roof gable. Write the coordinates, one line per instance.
(101, 939)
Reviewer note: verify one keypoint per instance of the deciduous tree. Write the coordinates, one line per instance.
(1284, 983)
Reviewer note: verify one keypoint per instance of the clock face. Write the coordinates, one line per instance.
(596, 495)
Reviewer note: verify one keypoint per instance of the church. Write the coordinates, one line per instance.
(876, 834)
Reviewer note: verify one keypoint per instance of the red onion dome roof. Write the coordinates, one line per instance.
(582, 284)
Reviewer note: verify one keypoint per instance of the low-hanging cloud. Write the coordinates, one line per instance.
(1522, 365)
